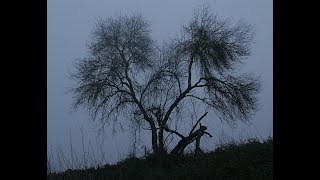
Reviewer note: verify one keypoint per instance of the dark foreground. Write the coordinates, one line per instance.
(249, 160)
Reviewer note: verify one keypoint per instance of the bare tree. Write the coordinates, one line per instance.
(126, 77)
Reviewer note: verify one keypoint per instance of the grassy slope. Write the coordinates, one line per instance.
(247, 160)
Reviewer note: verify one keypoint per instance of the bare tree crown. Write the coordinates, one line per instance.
(127, 76)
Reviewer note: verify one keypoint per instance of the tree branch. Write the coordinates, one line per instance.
(181, 96)
(190, 71)
(193, 128)
(176, 77)
(187, 140)
(133, 95)
(208, 134)
(159, 75)
(173, 131)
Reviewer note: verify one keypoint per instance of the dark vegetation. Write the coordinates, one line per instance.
(251, 159)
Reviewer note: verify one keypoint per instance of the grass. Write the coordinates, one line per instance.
(250, 159)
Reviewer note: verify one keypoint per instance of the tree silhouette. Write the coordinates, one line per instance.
(127, 77)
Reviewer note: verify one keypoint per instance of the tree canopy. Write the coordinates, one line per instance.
(127, 77)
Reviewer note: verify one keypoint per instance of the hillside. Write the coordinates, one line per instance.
(252, 159)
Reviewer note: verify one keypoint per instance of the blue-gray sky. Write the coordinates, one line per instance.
(69, 24)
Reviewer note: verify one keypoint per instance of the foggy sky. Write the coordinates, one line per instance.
(69, 24)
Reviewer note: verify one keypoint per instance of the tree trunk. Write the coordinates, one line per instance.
(161, 145)
(183, 143)
(154, 139)
(198, 149)
(161, 154)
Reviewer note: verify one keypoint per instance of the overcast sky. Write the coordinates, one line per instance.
(69, 24)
